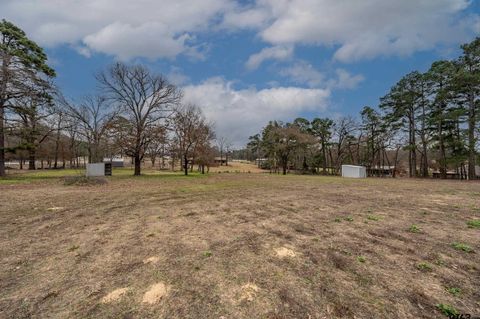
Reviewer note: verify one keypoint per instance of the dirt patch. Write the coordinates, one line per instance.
(155, 293)
(115, 295)
(248, 292)
(284, 252)
(151, 260)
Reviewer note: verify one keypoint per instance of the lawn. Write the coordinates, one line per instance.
(238, 245)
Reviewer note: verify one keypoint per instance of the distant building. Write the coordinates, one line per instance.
(116, 161)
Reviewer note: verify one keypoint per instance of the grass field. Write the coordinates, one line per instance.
(238, 245)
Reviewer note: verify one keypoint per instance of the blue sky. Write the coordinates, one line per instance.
(246, 62)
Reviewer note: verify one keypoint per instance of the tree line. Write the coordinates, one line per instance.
(431, 119)
(135, 113)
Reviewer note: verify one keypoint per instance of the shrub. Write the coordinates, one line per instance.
(361, 259)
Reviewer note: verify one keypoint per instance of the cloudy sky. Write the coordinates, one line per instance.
(247, 62)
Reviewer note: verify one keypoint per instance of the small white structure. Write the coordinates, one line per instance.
(95, 169)
(353, 171)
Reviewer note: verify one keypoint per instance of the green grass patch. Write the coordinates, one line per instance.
(349, 219)
(414, 229)
(463, 247)
(474, 223)
(454, 291)
(447, 310)
(424, 266)
(373, 217)
(207, 253)
(361, 259)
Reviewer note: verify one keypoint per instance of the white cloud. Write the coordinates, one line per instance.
(345, 80)
(359, 29)
(276, 53)
(240, 113)
(303, 73)
(123, 28)
(366, 29)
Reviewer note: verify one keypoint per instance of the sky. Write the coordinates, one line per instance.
(247, 62)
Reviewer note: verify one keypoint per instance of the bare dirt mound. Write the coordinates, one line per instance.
(114, 295)
(283, 252)
(155, 293)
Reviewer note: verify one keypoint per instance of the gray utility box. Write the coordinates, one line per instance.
(99, 169)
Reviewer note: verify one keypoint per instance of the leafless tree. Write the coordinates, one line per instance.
(191, 130)
(144, 100)
(93, 117)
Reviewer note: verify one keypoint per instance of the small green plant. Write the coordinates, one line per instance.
(338, 220)
(348, 219)
(462, 247)
(373, 217)
(361, 259)
(424, 266)
(447, 310)
(475, 223)
(207, 253)
(454, 291)
(414, 229)
(439, 262)
(73, 248)
(316, 239)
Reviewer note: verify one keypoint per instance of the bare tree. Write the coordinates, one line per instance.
(93, 116)
(144, 100)
(190, 129)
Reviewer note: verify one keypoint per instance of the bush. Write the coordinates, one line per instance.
(84, 181)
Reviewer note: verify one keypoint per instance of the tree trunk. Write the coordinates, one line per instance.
(153, 161)
(471, 137)
(203, 169)
(2, 140)
(185, 164)
(137, 163)
(324, 164)
(31, 159)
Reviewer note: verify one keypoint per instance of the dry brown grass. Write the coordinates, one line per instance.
(238, 246)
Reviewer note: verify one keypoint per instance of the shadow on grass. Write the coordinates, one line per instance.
(19, 177)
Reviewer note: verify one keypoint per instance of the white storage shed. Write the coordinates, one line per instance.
(95, 170)
(354, 171)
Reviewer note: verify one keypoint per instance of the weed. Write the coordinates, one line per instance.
(462, 247)
(424, 266)
(361, 259)
(414, 229)
(447, 310)
(338, 220)
(207, 253)
(73, 248)
(454, 291)
(373, 217)
(349, 219)
(475, 223)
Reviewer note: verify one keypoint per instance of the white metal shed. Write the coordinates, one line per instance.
(354, 171)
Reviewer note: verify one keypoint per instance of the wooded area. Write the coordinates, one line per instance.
(430, 118)
(135, 113)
